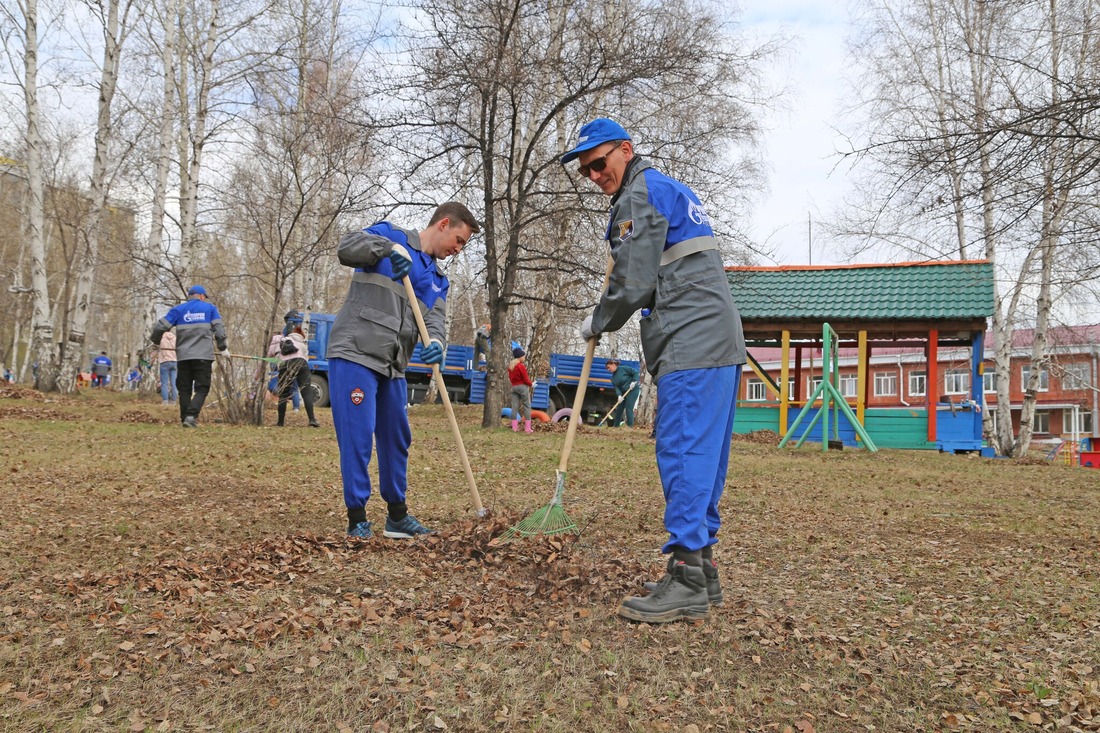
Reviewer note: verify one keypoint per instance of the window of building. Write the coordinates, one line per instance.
(989, 381)
(756, 390)
(886, 384)
(1041, 422)
(956, 381)
(848, 385)
(918, 384)
(811, 385)
(1025, 376)
(1075, 376)
(1084, 422)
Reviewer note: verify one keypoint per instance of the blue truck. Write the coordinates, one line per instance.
(466, 383)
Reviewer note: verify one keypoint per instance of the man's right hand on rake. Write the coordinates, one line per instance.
(400, 262)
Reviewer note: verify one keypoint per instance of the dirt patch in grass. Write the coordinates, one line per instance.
(164, 579)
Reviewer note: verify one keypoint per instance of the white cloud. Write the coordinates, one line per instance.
(801, 143)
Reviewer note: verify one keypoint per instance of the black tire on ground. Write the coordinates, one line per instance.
(319, 385)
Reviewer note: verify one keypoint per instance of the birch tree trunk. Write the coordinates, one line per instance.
(154, 241)
(192, 141)
(43, 346)
(114, 34)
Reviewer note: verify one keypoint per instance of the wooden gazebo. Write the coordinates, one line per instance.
(935, 304)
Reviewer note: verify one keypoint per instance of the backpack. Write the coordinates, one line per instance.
(288, 347)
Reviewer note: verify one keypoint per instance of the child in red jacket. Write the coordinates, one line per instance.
(521, 390)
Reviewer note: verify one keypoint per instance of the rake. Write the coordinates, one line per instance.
(268, 359)
(617, 403)
(552, 519)
(437, 374)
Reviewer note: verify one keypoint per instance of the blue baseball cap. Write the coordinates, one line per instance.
(196, 290)
(597, 132)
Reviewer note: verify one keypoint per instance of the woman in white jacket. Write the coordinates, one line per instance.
(292, 350)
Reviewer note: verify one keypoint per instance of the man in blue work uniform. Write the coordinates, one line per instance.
(372, 338)
(101, 367)
(198, 327)
(666, 259)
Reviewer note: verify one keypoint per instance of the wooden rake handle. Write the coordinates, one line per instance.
(582, 385)
(442, 386)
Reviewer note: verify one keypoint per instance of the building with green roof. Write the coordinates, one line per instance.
(869, 307)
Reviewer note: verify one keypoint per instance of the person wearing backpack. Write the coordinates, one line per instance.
(292, 350)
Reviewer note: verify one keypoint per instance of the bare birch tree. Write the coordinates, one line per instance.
(43, 345)
(116, 23)
(959, 164)
(217, 52)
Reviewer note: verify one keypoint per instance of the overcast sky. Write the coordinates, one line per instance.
(801, 142)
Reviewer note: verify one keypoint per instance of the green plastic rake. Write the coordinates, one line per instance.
(552, 519)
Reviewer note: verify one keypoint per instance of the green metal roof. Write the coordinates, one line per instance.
(905, 291)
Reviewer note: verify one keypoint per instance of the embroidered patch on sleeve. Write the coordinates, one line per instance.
(626, 230)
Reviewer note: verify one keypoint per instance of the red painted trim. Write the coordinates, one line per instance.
(932, 382)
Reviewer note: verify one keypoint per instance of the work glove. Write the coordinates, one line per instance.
(432, 353)
(224, 352)
(400, 262)
(586, 328)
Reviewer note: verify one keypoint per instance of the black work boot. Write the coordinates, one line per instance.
(681, 594)
(710, 572)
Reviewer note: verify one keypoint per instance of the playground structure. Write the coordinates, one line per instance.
(832, 401)
(801, 311)
(1075, 453)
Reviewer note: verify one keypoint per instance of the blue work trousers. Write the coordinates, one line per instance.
(368, 407)
(695, 410)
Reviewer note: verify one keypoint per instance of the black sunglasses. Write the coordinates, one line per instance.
(596, 164)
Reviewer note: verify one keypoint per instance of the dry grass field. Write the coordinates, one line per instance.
(160, 579)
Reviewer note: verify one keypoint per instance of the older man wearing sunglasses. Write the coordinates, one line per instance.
(666, 261)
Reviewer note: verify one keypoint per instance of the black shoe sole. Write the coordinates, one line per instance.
(687, 613)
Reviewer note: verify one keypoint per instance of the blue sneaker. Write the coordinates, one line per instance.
(361, 530)
(405, 529)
